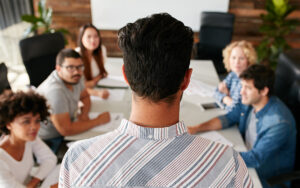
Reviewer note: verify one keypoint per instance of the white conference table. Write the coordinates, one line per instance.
(190, 111)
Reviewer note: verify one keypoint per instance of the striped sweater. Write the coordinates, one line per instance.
(135, 156)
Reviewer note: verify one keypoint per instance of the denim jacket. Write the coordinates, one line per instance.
(273, 152)
(234, 86)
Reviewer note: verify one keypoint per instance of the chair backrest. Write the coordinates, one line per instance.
(4, 84)
(39, 55)
(287, 88)
(216, 29)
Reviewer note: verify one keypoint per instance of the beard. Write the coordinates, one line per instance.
(72, 83)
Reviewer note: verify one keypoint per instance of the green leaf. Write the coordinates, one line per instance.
(30, 18)
(40, 9)
(48, 16)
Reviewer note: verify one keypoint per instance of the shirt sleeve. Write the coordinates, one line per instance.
(218, 95)
(267, 145)
(57, 101)
(242, 177)
(7, 178)
(232, 117)
(45, 158)
(65, 176)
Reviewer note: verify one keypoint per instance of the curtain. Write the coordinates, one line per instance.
(12, 10)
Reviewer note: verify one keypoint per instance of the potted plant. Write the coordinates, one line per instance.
(41, 23)
(275, 28)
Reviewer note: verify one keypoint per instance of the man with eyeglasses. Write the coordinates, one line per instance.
(66, 95)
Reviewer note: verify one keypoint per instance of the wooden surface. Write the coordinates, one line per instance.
(71, 14)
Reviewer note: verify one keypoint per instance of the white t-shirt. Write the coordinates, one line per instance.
(251, 133)
(15, 173)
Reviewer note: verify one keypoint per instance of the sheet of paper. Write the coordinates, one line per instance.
(114, 95)
(217, 137)
(112, 81)
(115, 120)
(196, 87)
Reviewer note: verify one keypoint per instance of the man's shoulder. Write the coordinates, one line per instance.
(205, 144)
(277, 112)
(82, 145)
(85, 147)
(51, 83)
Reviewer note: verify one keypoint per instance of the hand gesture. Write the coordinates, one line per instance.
(103, 93)
(227, 100)
(223, 88)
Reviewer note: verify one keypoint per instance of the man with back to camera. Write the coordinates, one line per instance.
(63, 89)
(152, 148)
(266, 124)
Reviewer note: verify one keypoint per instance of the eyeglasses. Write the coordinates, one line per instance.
(72, 68)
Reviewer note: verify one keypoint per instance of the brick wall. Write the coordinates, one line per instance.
(247, 20)
(71, 14)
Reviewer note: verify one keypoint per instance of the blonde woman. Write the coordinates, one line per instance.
(237, 57)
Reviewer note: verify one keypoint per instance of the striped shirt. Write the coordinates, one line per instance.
(234, 86)
(135, 156)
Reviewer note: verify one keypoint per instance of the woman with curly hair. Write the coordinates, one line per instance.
(20, 117)
(237, 57)
(93, 55)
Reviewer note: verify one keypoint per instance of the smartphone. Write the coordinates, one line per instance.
(211, 106)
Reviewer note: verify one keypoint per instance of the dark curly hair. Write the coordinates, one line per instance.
(21, 103)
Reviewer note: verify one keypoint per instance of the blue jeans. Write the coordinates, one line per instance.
(54, 143)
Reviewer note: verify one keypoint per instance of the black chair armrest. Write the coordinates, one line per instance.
(279, 180)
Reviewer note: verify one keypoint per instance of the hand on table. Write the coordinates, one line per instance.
(193, 129)
(103, 93)
(103, 118)
(54, 186)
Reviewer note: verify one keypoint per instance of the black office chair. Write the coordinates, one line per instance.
(39, 55)
(215, 33)
(287, 88)
(4, 84)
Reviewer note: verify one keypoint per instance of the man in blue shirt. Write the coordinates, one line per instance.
(265, 123)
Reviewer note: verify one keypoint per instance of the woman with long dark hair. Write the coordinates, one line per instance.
(93, 55)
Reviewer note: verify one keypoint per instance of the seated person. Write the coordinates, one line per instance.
(20, 117)
(265, 123)
(93, 55)
(237, 57)
(152, 148)
(4, 84)
(63, 89)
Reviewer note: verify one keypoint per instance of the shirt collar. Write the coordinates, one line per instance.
(56, 76)
(128, 127)
(266, 107)
(234, 75)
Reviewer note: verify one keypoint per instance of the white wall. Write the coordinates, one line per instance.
(114, 14)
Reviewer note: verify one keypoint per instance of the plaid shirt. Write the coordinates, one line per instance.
(234, 86)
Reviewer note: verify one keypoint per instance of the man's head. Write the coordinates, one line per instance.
(257, 82)
(157, 51)
(69, 66)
